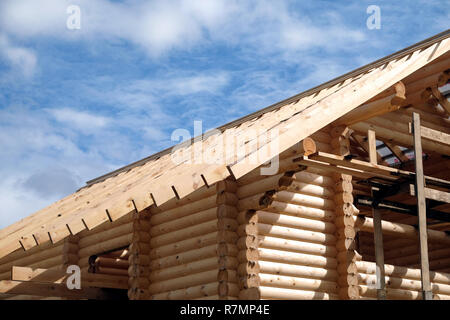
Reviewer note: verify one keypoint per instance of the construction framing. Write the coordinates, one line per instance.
(359, 207)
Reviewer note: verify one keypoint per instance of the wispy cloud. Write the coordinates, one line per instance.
(83, 121)
(22, 59)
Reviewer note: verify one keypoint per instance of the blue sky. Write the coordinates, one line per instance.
(75, 104)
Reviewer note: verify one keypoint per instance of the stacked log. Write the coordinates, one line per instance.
(47, 256)
(345, 233)
(193, 253)
(138, 259)
(105, 238)
(294, 254)
(402, 283)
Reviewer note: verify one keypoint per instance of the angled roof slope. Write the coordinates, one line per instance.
(157, 179)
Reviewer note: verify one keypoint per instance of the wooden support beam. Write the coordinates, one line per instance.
(400, 230)
(377, 107)
(378, 232)
(361, 168)
(395, 133)
(433, 194)
(435, 135)
(372, 145)
(396, 151)
(422, 209)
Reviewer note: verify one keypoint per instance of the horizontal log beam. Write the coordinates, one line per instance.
(51, 290)
(59, 276)
(401, 230)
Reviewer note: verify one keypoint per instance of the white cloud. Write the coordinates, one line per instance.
(160, 26)
(19, 58)
(84, 121)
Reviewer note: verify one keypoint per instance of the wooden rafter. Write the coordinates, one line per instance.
(396, 151)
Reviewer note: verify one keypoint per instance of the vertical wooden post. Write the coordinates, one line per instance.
(139, 260)
(226, 245)
(345, 231)
(378, 233)
(422, 210)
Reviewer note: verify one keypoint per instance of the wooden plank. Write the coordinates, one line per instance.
(378, 231)
(421, 209)
(355, 164)
(305, 161)
(437, 195)
(49, 290)
(59, 276)
(371, 169)
(372, 144)
(433, 194)
(379, 254)
(435, 135)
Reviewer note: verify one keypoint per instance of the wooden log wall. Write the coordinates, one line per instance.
(107, 237)
(75, 250)
(402, 283)
(47, 256)
(193, 252)
(291, 215)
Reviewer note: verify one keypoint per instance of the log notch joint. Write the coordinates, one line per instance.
(70, 252)
(226, 246)
(139, 260)
(345, 231)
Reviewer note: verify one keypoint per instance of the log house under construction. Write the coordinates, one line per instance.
(359, 208)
